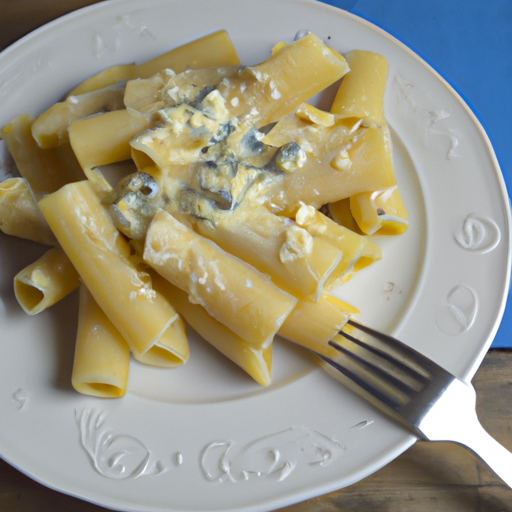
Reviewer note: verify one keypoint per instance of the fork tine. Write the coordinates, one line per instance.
(401, 353)
(362, 384)
(367, 372)
(397, 351)
(385, 370)
(377, 365)
(415, 372)
(401, 382)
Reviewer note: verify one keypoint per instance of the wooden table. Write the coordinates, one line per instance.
(429, 477)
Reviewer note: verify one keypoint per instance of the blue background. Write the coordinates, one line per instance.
(469, 42)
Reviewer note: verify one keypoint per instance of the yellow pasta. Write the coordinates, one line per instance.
(281, 83)
(340, 212)
(296, 262)
(223, 223)
(20, 215)
(342, 160)
(50, 129)
(100, 255)
(46, 281)
(105, 92)
(105, 78)
(381, 212)
(313, 324)
(361, 96)
(358, 251)
(45, 170)
(104, 139)
(229, 289)
(255, 97)
(310, 324)
(212, 50)
(167, 89)
(175, 336)
(256, 361)
(101, 364)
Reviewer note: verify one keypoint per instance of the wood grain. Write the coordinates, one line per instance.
(19, 17)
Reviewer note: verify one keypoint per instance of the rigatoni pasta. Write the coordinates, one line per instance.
(243, 207)
(210, 51)
(104, 139)
(100, 255)
(45, 281)
(361, 97)
(229, 289)
(101, 364)
(50, 129)
(44, 170)
(253, 359)
(357, 251)
(296, 261)
(20, 215)
(313, 324)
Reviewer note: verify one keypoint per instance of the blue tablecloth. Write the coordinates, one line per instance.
(469, 42)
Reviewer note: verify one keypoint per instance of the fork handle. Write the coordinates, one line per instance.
(454, 418)
(496, 456)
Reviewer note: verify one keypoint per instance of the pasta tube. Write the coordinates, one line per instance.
(214, 50)
(380, 212)
(361, 95)
(211, 51)
(253, 98)
(358, 251)
(100, 254)
(229, 289)
(50, 129)
(166, 89)
(314, 324)
(341, 214)
(104, 139)
(105, 91)
(45, 170)
(101, 365)
(310, 324)
(296, 261)
(19, 214)
(105, 78)
(176, 333)
(341, 161)
(277, 86)
(46, 281)
(256, 361)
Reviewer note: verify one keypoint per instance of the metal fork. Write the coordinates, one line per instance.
(434, 404)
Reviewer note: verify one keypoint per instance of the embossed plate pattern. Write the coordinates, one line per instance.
(204, 437)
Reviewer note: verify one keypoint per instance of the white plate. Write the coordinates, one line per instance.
(204, 437)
